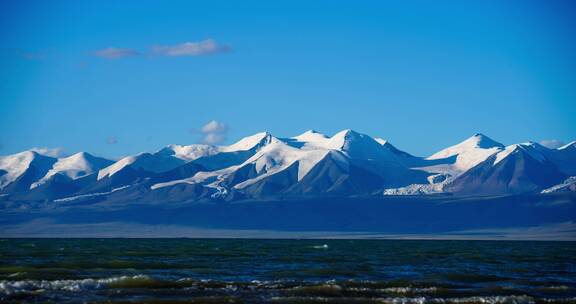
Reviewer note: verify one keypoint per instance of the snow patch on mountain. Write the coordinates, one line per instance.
(89, 195)
(566, 186)
(206, 178)
(415, 189)
(435, 184)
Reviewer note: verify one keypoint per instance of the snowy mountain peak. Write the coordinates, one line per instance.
(480, 140)
(345, 137)
(381, 141)
(21, 158)
(476, 142)
(570, 145)
(279, 156)
(75, 166)
(250, 142)
(519, 168)
(348, 134)
(14, 165)
(310, 132)
(531, 149)
(80, 157)
(26, 155)
(532, 144)
(310, 136)
(192, 152)
(77, 157)
(359, 146)
(467, 154)
(535, 146)
(116, 167)
(151, 163)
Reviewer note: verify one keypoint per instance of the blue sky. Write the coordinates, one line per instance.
(120, 77)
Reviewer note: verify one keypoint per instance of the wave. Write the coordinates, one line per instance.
(281, 291)
(401, 290)
(558, 288)
(424, 300)
(325, 246)
(13, 287)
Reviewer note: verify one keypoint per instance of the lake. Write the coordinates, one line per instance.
(285, 271)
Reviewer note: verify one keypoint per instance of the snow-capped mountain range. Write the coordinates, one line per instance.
(262, 166)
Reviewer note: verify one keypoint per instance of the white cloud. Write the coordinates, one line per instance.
(214, 132)
(214, 127)
(552, 143)
(199, 48)
(53, 152)
(115, 53)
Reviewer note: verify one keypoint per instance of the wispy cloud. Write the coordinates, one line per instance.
(199, 48)
(35, 55)
(53, 152)
(191, 48)
(214, 132)
(112, 140)
(552, 143)
(116, 53)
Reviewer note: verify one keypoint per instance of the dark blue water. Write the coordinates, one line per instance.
(285, 271)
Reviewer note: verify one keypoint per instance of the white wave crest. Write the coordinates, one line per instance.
(14, 287)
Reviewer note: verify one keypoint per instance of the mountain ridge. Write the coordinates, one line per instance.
(348, 163)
